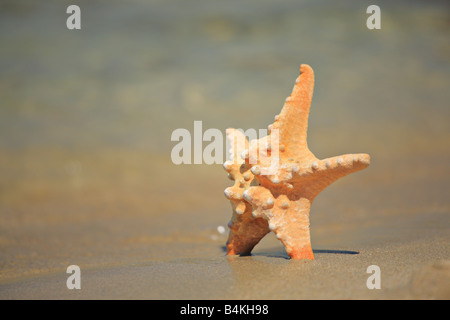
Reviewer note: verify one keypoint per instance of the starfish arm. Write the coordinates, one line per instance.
(261, 200)
(325, 172)
(292, 227)
(343, 165)
(245, 230)
(289, 220)
(245, 233)
(292, 122)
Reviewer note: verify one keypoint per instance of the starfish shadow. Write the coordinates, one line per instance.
(277, 253)
(335, 251)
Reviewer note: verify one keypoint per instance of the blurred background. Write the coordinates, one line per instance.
(86, 117)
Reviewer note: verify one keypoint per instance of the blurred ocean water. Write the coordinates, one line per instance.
(138, 70)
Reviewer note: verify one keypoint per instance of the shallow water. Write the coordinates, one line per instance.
(86, 118)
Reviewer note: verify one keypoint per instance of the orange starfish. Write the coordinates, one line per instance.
(280, 200)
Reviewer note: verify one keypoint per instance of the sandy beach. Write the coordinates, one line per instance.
(86, 176)
(128, 252)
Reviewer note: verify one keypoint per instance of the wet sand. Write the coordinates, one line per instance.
(131, 244)
(86, 176)
(335, 274)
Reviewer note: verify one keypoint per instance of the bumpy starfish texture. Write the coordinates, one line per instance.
(280, 200)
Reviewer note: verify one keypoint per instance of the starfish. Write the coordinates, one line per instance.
(280, 200)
